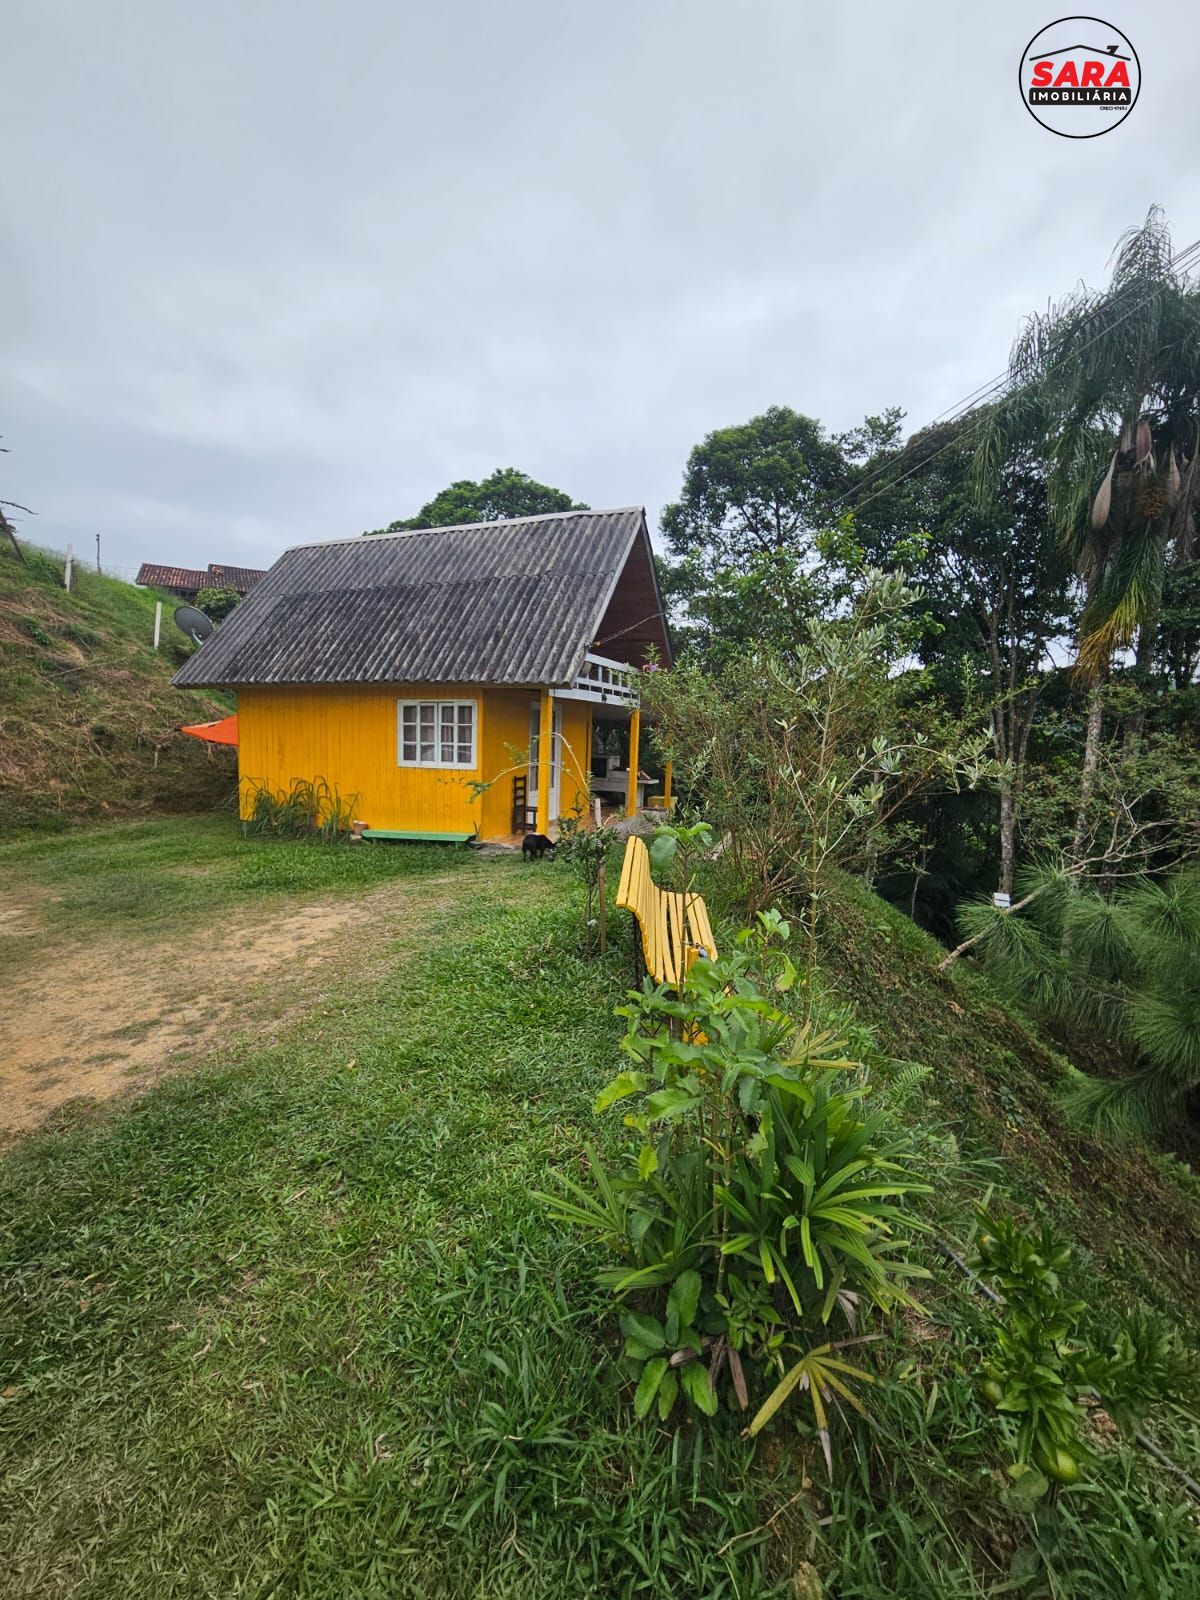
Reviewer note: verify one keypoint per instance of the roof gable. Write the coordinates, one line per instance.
(518, 601)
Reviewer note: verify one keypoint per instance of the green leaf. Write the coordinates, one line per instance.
(662, 851)
(668, 1389)
(644, 1330)
(622, 1086)
(670, 1103)
(694, 1378)
(685, 1297)
(652, 1375)
(647, 1161)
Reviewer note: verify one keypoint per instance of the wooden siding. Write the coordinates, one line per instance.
(347, 735)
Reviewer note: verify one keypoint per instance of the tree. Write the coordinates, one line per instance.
(507, 493)
(1105, 388)
(805, 761)
(753, 498)
(996, 581)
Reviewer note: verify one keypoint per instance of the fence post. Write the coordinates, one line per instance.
(67, 569)
(603, 909)
(157, 622)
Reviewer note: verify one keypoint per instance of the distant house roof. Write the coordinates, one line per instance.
(518, 601)
(192, 579)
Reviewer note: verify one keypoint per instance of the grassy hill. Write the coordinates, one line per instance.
(88, 718)
(293, 1323)
(996, 1080)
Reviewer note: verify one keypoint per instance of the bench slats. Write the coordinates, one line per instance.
(671, 932)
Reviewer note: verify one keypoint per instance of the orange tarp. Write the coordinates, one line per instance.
(223, 731)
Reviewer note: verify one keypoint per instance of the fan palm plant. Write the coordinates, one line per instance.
(1105, 387)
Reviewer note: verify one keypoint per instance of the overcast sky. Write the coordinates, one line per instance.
(274, 272)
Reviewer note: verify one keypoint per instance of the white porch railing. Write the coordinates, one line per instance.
(603, 680)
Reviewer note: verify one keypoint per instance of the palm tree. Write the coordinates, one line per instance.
(1105, 386)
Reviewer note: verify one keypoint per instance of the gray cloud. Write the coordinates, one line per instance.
(276, 272)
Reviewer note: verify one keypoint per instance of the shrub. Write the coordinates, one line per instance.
(309, 808)
(1036, 1368)
(216, 604)
(760, 1204)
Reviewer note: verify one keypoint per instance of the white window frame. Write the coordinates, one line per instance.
(438, 705)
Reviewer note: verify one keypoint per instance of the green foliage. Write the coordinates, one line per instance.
(217, 603)
(1127, 964)
(507, 493)
(675, 848)
(806, 759)
(308, 808)
(1036, 1369)
(761, 1201)
(585, 851)
(1114, 367)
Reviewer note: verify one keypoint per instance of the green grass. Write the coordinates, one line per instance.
(293, 1325)
(138, 878)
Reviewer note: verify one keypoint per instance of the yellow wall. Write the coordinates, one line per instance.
(347, 735)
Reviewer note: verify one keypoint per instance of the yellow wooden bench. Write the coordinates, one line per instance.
(672, 932)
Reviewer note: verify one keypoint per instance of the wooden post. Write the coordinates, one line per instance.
(635, 733)
(157, 622)
(545, 756)
(667, 783)
(603, 908)
(67, 569)
(597, 812)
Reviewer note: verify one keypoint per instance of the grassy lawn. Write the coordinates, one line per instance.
(293, 1325)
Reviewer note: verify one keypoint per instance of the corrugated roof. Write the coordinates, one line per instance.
(495, 602)
(156, 576)
(243, 579)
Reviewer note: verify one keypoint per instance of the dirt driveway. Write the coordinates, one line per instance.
(92, 1021)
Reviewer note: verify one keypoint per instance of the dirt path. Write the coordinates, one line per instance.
(95, 1021)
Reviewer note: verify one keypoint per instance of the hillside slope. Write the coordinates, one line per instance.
(995, 1081)
(88, 718)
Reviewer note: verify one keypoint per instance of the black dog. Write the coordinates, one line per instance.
(535, 845)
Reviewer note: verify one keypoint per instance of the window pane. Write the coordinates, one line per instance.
(428, 715)
(409, 714)
(408, 751)
(427, 751)
(464, 716)
(464, 755)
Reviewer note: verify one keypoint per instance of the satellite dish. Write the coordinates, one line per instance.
(194, 623)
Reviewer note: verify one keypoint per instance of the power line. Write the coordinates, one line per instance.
(977, 397)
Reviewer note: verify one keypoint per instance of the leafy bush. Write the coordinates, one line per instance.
(761, 1202)
(586, 851)
(309, 808)
(217, 603)
(1037, 1370)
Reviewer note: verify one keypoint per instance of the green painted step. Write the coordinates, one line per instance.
(419, 838)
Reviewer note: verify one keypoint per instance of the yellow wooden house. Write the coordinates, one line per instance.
(452, 681)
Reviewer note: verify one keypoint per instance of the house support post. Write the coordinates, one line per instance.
(635, 733)
(667, 783)
(545, 755)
